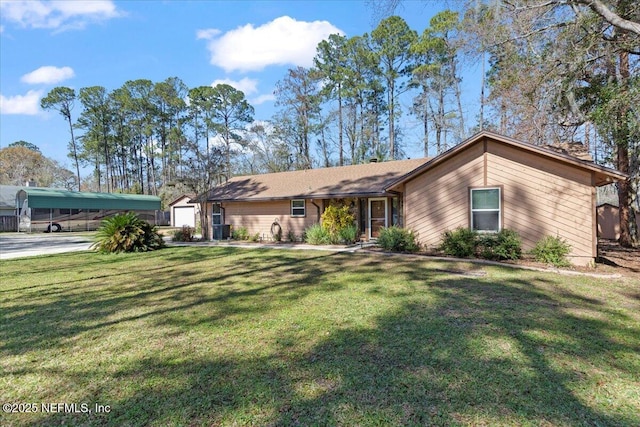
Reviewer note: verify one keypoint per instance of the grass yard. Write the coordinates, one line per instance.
(228, 336)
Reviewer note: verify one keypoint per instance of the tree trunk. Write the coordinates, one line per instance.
(425, 122)
(75, 151)
(392, 146)
(628, 231)
(456, 85)
(340, 125)
(622, 159)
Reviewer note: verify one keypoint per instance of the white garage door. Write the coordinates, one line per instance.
(184, 216)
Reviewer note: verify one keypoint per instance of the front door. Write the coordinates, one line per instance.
(377, 216)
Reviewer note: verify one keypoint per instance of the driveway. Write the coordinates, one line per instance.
(16, 245)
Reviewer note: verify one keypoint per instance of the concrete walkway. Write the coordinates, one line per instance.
(18, 245)
(282, 245)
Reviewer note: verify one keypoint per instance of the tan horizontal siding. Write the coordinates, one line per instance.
(554, 168)
(540, 196)
(543, 197)
(258, 217)
(437, 200)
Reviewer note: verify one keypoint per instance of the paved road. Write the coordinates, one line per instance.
(15, 245)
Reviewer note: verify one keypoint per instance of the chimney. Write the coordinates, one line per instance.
(30, 183)
(575, 149)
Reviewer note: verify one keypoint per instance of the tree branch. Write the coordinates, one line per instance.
(614, 19)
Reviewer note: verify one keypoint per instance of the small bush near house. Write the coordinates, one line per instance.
(256, 237)
(506, 244)
(317, 235)
(460, 242)
(552, 250)
(185, 234)
(127, 233)
(291, 236)
(336, 219)
(349, 234)
(240, 233)
(397, 239)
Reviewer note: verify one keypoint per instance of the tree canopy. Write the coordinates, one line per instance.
(552, 72)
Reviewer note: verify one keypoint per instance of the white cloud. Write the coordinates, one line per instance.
(207, 34)
(283, 41)
(61, 14)
(246, 85)
(28, 104)
(263, 98)
(48, 75)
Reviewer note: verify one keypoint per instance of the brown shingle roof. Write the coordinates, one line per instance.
(369, 179)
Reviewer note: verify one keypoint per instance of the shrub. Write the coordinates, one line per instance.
(256, 237)
(349, 234)
(185, 234)
(291, 236)
(127, 233)
(552, 250)
(506, 244)
(397, 239)
(460, 242)
(240, 233)
(317, 235)
(336, 220)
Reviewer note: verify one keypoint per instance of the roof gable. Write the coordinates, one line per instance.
(178, 199)
(602, 175)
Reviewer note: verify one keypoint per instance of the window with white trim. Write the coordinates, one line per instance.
(298, 207)
(486, 206)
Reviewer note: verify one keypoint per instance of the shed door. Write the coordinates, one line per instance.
(184, 216)
(377, 216)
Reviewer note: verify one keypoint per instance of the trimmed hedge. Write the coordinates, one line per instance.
(466, 243)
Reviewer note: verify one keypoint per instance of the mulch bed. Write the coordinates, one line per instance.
(625, 261)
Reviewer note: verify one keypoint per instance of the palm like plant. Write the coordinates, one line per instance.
(127, 233)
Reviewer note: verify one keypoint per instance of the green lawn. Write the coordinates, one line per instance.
(227, 336)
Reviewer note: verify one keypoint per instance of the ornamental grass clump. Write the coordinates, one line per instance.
(127, 233)
(240, 233)
(317, 235)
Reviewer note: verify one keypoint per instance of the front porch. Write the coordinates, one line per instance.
(371, 213)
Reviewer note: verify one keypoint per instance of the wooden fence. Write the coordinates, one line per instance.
(8, 223)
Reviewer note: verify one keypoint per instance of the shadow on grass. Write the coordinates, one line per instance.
(452, 351)
(193, 278)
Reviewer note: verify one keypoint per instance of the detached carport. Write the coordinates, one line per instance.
(52, 209)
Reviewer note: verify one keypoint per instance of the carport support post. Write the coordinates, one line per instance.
(50, 220)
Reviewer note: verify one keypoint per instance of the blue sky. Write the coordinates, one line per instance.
(248, 44)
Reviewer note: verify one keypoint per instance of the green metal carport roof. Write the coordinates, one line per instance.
(56, 199)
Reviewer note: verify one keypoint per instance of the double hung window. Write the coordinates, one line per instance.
(298, 207)
(486, 209)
